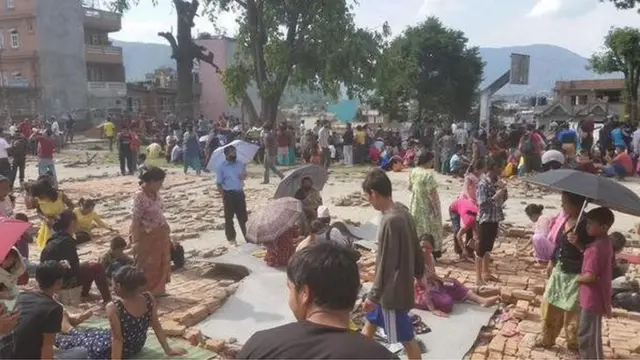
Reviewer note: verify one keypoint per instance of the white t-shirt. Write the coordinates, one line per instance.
(323, 137)
(55, 128)
(462, 136)
(4, 145)
(13, 129)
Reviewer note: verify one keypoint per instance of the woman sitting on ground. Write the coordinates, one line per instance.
(323, 230)
(438, 294)
(87, 220)
(62, 247)
(11, 269)
(280, 251)
(310, 197)
(130, 317)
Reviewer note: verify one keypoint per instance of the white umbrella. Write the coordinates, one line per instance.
(244, 150)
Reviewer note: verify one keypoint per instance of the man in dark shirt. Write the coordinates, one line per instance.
(323, 283)
(399, 261)
(19, 151)
(40, 320)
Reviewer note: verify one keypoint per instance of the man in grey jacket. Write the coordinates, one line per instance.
(399, 261)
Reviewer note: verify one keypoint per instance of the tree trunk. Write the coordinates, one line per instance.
(250, 109)
(184, 100)
(269, 111)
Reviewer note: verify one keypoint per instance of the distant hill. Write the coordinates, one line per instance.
(549, 63)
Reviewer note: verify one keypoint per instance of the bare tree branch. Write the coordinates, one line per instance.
(172, 41)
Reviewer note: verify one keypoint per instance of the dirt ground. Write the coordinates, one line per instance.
(194, 211)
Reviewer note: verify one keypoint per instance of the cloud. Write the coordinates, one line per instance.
(438, 7)
(562, 8)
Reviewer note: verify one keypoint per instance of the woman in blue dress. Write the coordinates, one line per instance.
(129, 316)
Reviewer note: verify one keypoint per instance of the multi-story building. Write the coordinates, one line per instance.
(60, 49)
(213, 99)
(579, 98)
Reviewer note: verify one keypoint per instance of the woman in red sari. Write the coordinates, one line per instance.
(280, 251)
(150, 232)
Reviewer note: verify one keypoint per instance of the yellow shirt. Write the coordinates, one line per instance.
(109, 129)
(85, 221)
(361, 137)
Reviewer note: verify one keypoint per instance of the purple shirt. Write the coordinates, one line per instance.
(596, 296)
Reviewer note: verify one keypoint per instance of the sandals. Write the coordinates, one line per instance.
(419, 327)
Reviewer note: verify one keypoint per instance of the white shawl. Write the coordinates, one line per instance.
(10, 278)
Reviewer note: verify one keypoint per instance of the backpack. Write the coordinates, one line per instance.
(528, 146)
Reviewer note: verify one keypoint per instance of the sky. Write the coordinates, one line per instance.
(578, 25)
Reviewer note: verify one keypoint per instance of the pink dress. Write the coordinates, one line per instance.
(467, 210)
(431, 293)
(542, 245)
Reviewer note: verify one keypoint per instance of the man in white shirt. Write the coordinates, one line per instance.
(462, 137)
(55, 132)
(323, 142)
(635, 142)
(5, 165)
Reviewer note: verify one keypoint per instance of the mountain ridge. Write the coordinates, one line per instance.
(549, 63)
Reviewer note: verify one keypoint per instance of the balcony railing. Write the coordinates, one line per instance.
(107, 89)
(105, 20)
(103, 50)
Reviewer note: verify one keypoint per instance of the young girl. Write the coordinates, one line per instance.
(87, 219)
(542, 247)
(11, 268)
(463, 225)
(130, 318)
(438, 294)
(115, 258)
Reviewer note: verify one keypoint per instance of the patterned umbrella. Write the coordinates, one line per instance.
(269, 222)
(293, 179)
(11, 230)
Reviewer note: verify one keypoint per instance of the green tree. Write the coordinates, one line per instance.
(429, 68)
(183, 48)
(313, 45)
(622, 54)
(624, 4)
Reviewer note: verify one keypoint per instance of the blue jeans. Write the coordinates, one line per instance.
(614, 170)
(48, 166)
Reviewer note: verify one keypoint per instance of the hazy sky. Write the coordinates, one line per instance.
(578, 25)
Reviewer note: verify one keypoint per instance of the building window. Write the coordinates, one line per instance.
(1, 39)
(583, 99)
(11, 4)
(15, 39)
(30, 26)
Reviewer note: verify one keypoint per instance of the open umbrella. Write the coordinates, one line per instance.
(596, 189)
(272, 220)
(293, 179)
(245, 151)
(11, 230)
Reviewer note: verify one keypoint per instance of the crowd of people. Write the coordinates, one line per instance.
(35, 323)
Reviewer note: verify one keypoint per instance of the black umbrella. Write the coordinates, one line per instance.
(596, 189)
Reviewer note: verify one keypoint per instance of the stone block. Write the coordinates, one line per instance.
(497, 344)
(523, 295)
(193, 336)
(215, 345)
(172, 328)
(486, 291)
(195, 315)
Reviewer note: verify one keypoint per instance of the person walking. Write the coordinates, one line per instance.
(69, 125)
(230, 178)
(399, 263)
(324, 134)
(109, 130)
(347, 145)
(46, 145)
(270, 153)
(5, 165)
(19, 151)
(124, 152)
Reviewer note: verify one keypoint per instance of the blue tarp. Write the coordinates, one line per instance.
(345, 110)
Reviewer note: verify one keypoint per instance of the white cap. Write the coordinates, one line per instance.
(323, 212)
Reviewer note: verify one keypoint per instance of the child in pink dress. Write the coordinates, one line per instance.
(438, 294)
(542, 247)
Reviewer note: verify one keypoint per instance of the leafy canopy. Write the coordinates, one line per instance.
(306, 44)
(432, 67)
(624, 4)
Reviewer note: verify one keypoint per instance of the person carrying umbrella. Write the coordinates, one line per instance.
(230, 176)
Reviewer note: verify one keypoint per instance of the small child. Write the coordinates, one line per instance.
(542, 247)
(142, 163)
(11, 269)
(620, 266)
(87, 219)
(23, 244)
(595, 282)
(115, 258)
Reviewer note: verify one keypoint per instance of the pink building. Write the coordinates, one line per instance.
(213, 98)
